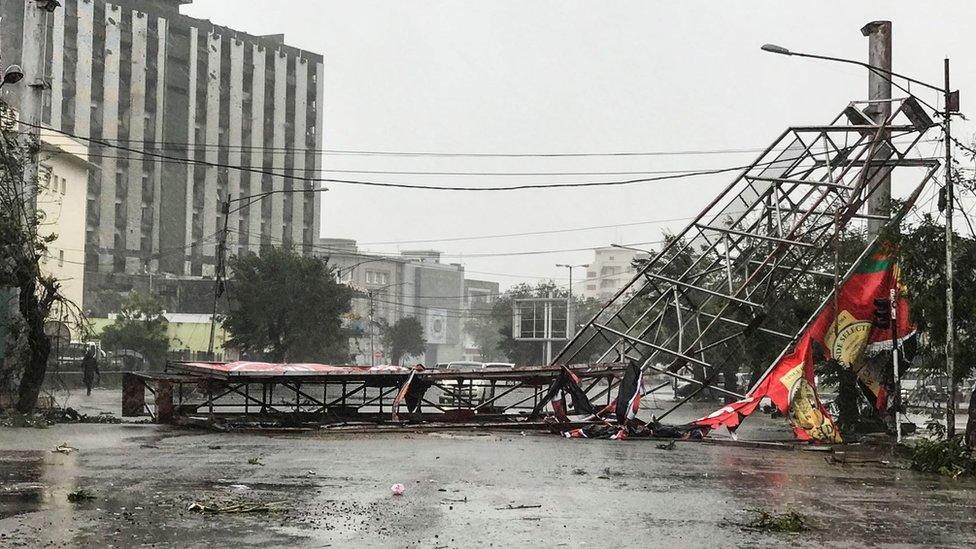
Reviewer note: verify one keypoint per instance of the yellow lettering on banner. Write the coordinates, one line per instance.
(847, 338)
(789, 378)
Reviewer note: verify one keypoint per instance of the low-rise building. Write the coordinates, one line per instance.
(62, 193)
(413, 284)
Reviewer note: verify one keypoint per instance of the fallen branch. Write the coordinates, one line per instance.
(239, 508)
(513, 507)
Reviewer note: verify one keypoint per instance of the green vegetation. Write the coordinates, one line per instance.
(769, 521)
(405, 337)
(287, 308)
(946, 457)
(140, 327)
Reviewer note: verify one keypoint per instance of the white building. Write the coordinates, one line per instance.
(62, 188)
(610, 270)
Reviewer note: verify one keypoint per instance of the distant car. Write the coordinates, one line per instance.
(467, 392)
(69, 357)
(506, 365)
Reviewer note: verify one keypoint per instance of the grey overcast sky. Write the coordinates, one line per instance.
(581, 77)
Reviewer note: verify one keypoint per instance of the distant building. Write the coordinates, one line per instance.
(61, 191)
(413, 284)
(610, 270)
(189, 336)
(479, 299)
(139, 74)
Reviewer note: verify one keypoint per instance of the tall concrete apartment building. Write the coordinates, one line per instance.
(137, 73)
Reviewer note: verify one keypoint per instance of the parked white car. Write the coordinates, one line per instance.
(470, 391)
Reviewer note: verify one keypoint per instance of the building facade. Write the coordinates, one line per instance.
(62, 188)
(479, 300)
(413, 284)
(201, 100)
(611, 269)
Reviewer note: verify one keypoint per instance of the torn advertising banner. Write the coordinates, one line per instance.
(845, 336)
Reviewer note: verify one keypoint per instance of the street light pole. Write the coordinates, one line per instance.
(950, 106)
(571, 308)
(372, 353)
(369, 295)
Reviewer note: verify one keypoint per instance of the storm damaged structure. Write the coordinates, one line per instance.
(714, 298)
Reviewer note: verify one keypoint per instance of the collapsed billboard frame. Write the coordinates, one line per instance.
(690, 308)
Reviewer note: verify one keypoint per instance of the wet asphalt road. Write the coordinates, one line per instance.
(463, 489)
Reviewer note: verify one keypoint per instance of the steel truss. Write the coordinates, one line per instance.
(496, 396)
(771, 232)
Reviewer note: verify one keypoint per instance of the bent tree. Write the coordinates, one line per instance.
(23, 250)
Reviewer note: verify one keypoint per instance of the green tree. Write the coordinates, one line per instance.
(922, 249)
(287, 307)
(483, 330)
(141, 327)
(404, 337)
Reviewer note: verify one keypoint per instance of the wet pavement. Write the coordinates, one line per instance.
(463, 489)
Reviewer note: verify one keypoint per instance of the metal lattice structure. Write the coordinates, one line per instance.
(769, 233)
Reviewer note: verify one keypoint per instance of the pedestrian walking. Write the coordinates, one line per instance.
(90, 366)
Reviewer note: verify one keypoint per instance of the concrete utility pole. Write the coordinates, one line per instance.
(879, 89)
(34, 54)
(951, 104)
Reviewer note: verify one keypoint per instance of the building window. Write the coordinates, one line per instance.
(478, 297)
(377, 277)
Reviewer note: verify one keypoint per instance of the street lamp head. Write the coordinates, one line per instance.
(13, 74)
(773, 48)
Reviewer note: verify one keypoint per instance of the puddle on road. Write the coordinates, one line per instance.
(35, 480)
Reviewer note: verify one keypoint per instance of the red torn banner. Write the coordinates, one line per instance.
(790, 384)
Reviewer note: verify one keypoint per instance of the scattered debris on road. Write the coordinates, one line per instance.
(63, 448)
(236, 508)
(81, 494)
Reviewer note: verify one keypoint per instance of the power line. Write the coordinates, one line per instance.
(404, 185)
(409, 186)
(185, 145)
(459, 256)
(425, 173)
(541, 155)
(530, 233)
